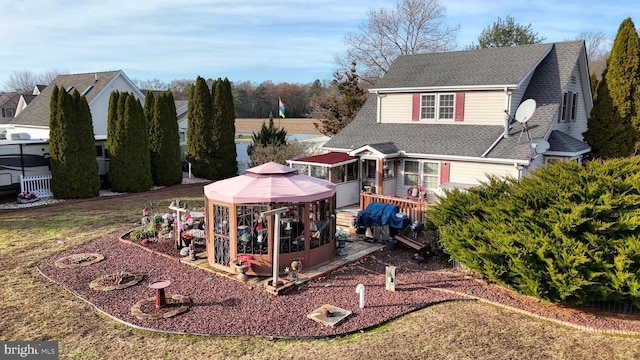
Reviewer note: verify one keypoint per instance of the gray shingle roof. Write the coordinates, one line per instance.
(492, 66)
(447, 139)
(564, 143)
(38, 111)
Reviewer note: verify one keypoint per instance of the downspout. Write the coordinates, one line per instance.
(379, 106)
(507, 120)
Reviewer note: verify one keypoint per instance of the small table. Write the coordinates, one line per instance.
(159, 287)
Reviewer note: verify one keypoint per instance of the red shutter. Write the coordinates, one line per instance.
(569, 106)
(444, 172)
(459, 106)
(415, 112)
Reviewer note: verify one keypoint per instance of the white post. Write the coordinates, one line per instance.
(360, 290)
(276, 241)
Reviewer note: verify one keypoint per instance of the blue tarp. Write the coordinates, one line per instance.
(377, 214)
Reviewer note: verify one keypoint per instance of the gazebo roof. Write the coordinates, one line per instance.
(270, 182)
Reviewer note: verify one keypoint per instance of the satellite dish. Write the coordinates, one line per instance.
(539, 146)
(525, 111)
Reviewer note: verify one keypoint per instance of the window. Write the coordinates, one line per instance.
(388, 169)
(352, 171)
(563, 109)
(425, 173)
(8, 112)
(337, 174)
(411, 171)
(319, 172)
(437, 107)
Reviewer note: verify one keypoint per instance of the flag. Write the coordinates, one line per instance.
(280, 108)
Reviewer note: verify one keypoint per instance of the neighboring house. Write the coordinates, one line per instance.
(441, 120)
(96, 87)
(25, 99)
(8, 105)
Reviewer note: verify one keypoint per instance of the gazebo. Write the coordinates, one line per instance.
(236, 225)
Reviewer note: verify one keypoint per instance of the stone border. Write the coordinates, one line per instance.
(173, 311)
(78, 260)
(96, 284)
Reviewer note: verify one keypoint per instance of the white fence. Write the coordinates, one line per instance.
(41, 185)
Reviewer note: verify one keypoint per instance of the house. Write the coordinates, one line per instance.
(8, 105)
(96, 87)
(444, 120)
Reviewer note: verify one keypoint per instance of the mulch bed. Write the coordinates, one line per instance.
(223, 306)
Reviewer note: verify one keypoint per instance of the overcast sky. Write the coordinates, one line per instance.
(282, 41)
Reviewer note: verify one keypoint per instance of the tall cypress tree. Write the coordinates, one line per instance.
(224, 130)
(623, 70)
(164, 142)
(200, 150)
(614, 124)
(609, 135)
(74, 167)
(112, 122)
(130, 166)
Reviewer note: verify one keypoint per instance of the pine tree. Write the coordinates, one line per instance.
(614, 124)
(164, 142)
(224, 130)
(338, 108)
(268, 135)
(623, 71)
(200, 150)
(74, 167)
(130, 165)
(608, 134)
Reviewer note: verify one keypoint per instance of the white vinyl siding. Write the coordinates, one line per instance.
(396, 108)
(474, 173)
(484, 108)
(480, 108)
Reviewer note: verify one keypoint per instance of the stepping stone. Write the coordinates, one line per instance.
(329, 315)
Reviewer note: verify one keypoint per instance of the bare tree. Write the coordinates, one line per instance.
(153, 84)
(598, 49)
(414, 27)
(24, 81)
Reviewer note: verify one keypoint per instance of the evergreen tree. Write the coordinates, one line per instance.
(614, 124)
(200, 150)
(112, 122)
(608, 134)
(268, 135)
(224, 130)
(507, 33)
(623, 71)
(337, 109)
(130, 165)
(164, 141)
(74, 167)
(149, 106)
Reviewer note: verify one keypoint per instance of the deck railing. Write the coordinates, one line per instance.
(414, 209)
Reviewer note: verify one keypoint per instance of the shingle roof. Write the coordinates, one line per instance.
(564, 143)
(328, 158)
(38, 111)
(449, 139)
(492, 66)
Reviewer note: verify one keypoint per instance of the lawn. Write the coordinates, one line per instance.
(35, 309)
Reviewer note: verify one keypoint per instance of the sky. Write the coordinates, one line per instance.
(292, 41)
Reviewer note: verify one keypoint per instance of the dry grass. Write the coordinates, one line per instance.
(293, 126)
(35, 309)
